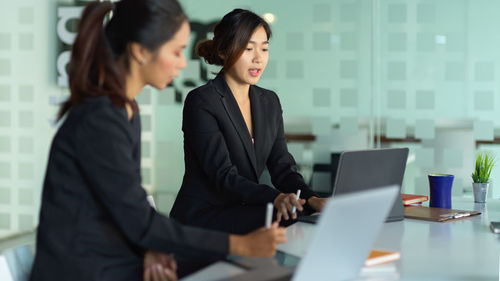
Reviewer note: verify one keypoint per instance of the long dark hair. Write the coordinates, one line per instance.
(94, 69)
(231, 36)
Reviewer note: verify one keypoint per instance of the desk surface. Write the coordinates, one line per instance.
(458, 250)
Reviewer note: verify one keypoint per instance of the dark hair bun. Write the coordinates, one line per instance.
(207, 51)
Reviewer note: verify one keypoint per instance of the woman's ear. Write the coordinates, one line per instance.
(138, 53)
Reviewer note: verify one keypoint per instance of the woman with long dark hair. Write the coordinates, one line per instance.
(95, 220)
(233, 129)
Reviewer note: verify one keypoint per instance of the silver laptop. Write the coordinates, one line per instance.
(345, 234)
(367, 169)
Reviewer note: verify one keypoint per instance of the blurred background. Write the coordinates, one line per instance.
(351, 74)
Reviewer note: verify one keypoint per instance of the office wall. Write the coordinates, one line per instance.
(354, 73)
(27, 90)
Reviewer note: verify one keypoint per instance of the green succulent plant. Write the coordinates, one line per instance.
(484, 165)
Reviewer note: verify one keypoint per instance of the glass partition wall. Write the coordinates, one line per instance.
(351, 74)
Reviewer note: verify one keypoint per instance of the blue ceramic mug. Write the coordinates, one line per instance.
(440, 190)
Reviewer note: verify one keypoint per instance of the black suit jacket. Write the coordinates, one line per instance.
(222, 165)
(95, 221)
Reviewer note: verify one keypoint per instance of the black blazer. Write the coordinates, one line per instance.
(95, 221)
(222, 166)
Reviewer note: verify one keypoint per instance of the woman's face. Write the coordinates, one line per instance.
(163, 66)
(250, 66)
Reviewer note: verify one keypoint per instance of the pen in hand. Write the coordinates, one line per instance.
(269, 215)
(298, 197)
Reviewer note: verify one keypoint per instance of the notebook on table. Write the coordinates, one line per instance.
(370, 169)
(409, 199)
(437, 214)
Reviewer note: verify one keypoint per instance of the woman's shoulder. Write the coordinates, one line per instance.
(99, 106)
(270, 95)
(97, 113)
(203, 94)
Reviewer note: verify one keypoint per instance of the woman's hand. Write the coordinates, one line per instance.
(159, 267)
(317, 203)
(262, 242)
(285, 202)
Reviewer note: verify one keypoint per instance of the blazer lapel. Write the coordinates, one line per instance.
(234, 113)
(259, 123)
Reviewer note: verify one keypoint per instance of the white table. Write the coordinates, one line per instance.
(458, 250)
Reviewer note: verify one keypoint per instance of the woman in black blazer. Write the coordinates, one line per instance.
(232, 131)
(95, 221)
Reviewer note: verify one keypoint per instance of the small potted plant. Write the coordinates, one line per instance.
(481, 176)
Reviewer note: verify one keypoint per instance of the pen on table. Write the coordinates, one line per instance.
(298, 197)
(456, 215)
(269, 215)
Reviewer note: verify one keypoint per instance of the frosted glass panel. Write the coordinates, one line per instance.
(396, 13)
(349, 13)
(452, 158)
(4, 221)
(321, 41)
(294, 41)
(26, 41)
(425, 99)
(396, 128)
(4, 196)
(348, 97)
(5, 41)
(426, 13)
(25, 196)
(166, 96)
(348, 126)
(271, 71)
(455, 71)
(396, 71)
(348, 41)
(321, 126)
(396, 42)
(484, 100)
(25, 222)
(348, 69)
(321, 13)
(426, 42)
(4, 92)
(483, 130)
(422, 185)
(396, 99)
(425, 129)
(5, 67)
(484, 71)
(26, 15)
(4, 118)
(295, 69)
(4, 144)
(146, 149)
(26, 145)
(321, 97)
(424, 157)
(26, 93)
(192, 71)
(297, 150)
